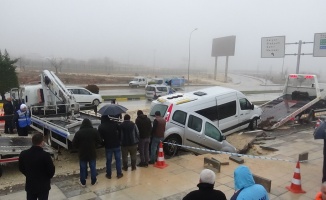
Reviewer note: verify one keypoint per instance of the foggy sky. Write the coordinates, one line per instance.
(156, 32)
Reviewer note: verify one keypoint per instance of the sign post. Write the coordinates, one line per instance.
(273, 47)
(224, 46)
(320, 45)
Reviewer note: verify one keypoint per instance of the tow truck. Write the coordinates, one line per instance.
(54, 110)
(302, 99)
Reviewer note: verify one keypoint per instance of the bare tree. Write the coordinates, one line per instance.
(56, 63)
(23, 62)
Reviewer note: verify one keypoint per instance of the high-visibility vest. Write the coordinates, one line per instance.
(23, 119)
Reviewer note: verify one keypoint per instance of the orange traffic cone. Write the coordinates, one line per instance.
(160, 158)
(296, 181)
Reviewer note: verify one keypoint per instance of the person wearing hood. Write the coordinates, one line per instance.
(86, 140)
(109, 131)
(22, 119)
(206, 188)
(245, 187)
(144, 125)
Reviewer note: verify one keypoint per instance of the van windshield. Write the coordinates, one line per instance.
(159, 107)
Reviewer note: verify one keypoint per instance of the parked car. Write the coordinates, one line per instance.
(84, 96)
(155, 91)
(138, 81)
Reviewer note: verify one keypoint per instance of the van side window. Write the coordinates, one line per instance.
(212, 132)
(195, 123)
(162, 89)
(81, 91)
(245, 104)
(149, 88)
(180, 117)
(210, 113)
(227, 110)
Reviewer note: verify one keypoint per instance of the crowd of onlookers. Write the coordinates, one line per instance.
(119, 140)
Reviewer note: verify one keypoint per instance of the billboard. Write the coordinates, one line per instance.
(273, 47)
(224, 46)
(320, 45)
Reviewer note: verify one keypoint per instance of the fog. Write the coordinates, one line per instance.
(156, 34)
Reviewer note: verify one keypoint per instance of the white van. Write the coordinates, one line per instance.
(152, 92)
(225, 108)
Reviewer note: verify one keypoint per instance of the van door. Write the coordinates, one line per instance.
(193, 135)
(244, 112)
(227, 111)
(212, 136)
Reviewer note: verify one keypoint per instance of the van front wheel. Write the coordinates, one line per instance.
(253, 124)
(171, 149)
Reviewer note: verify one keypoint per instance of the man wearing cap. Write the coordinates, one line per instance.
(206, 188)
(23, 120)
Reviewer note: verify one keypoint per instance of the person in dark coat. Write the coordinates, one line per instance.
(129, 141)
(22, 119)
(86, 140)
(157, 135)
(206, 188)
(9, 109)
(110, 133)
(144, 126)
(38, 168)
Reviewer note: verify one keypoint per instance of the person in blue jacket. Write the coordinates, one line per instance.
(245, 186)
(22, 119)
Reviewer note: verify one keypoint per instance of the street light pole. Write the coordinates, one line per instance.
(189, 53)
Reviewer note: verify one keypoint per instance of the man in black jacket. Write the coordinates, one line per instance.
(86, 140)
(144, 125)
(9, 111)
(37, 166)
(109, 131)
(129, 140)
(206, 188)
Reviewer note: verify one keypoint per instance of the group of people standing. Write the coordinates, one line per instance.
(119, 140)
(16, 116)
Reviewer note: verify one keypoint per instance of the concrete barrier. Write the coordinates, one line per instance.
(266, 183)
(214, 163)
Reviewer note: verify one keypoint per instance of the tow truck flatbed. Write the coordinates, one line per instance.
(12, 146)
(301, 94)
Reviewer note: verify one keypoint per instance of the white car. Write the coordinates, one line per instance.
(84, 96)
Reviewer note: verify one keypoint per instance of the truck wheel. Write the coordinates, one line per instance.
(137, 86)
(96, 102)
(0, 171)
(253, 124)
(170, 149)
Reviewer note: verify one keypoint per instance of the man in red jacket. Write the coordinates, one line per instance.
(37, 166)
